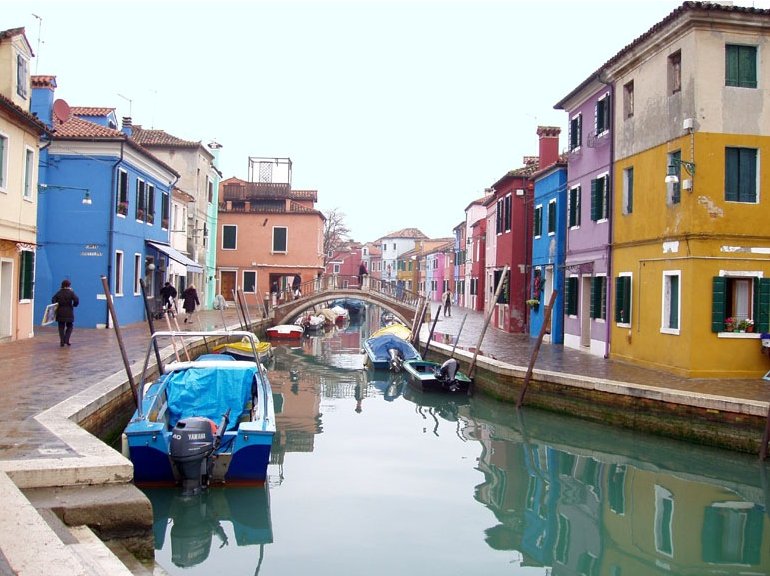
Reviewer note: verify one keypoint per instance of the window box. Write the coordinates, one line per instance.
(123, 208)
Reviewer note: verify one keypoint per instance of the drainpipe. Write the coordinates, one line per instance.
(610, 199)
(111, 225)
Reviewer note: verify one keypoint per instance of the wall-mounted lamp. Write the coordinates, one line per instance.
(671, 174)
(86, 201)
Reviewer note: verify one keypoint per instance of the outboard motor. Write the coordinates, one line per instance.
(446, 374)
(193, 442)
(396, 360)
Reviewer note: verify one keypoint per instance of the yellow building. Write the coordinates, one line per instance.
(691, 240)
(20, 133)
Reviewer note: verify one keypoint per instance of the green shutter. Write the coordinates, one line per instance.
(731, 66)
(595, 200)
(622, 299)
(747, 171)
(596, 297)
(673, 316)
(762, 314)
(747, 66)
(26, 275)
(718, 303)
(731, 174)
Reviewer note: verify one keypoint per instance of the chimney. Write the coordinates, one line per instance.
(42, 99)
(549, 145)
(126, 129)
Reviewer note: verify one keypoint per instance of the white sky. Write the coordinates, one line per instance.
(399, 113)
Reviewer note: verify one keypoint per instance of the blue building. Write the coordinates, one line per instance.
(549, 249)
(104, 206)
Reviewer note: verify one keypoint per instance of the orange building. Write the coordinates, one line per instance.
(268, 235)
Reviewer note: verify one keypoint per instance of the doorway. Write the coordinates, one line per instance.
(228, 282)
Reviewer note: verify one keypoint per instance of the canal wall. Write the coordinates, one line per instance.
(705, 419)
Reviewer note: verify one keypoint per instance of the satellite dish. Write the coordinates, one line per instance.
(61, 110)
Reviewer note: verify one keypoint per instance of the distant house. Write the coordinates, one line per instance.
(438, 267)
(371, 254)
(344, 263)
(103, 203)
(199, 177)
(458, 272)
(20, 133)
(475, 253)
(269, 233)
(549, 246)
(392, 246)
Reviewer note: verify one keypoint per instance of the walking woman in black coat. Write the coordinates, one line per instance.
(67, 300)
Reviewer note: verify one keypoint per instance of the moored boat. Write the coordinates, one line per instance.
(396, 329)
(242, 350)
(428, 376)
(388, 352)
(203, 421)
(285, 332)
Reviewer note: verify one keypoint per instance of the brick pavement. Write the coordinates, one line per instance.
(36, 374)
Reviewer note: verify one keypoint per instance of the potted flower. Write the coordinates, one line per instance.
(742, 326)
(749, 325)
(729, 324)
(139, 214)
(123, 208)
(164, 223)
(533, 303)
(150, 218)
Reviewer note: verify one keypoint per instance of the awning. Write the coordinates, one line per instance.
(175, 254)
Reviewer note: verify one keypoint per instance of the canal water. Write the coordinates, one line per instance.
(370, 477)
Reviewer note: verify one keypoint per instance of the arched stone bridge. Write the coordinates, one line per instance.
(400, 302)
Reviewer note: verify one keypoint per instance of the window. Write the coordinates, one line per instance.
(140, 199)
(671, 298)
(164, 205)
(600, 198)
(599, 297)
(507, 214)
(675, 72)
(26, 275)
(664, 521)
(741, 174)
(137, 274)
(602, 115)
(504, 296)
(150, 203)
(22, 76)
(623, 299)
(576, 132)
(616, 488)
(574, 207)
(29, 168)
(628, 191)
(118, 273)
(122, 207)
(474, 287)
(740, 296)
(3, 162)
(538, 222)
(674, 189)
(210, 189)
(279, 239)
(335, 268)
(229, 237)
(552, 217)
(571, 295)
(741, 66)
(628, 99)
(249, 281)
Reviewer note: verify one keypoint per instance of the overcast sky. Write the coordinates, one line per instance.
(399, 113)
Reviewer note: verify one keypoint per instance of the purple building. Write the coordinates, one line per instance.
(589, 184)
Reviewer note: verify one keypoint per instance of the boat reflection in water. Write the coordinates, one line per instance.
(203, 528)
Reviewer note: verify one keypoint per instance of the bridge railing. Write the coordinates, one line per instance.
(334, 282)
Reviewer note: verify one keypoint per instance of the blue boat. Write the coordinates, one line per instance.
(388, 352)
(209, 420)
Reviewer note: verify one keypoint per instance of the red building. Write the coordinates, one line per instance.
(478, 257)
(344, 264)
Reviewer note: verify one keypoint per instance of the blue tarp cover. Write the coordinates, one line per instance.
(209, 392)
(381, 344)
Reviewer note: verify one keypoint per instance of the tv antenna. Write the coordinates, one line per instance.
(130, 105)
(39, 28)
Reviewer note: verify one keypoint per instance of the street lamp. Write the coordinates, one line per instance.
(86, 192)
(671, 174)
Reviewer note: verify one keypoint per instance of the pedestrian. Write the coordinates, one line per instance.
(167, 295)
(296, 286)
(190, 301)
(447, 298)
(67, 300)
(362, 271)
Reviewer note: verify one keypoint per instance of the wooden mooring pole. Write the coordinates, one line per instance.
(119, 336)
(533, 357)
(491, 311)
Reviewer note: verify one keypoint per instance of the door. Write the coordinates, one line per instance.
(228, 282)
(585, 311)
(6, 298)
